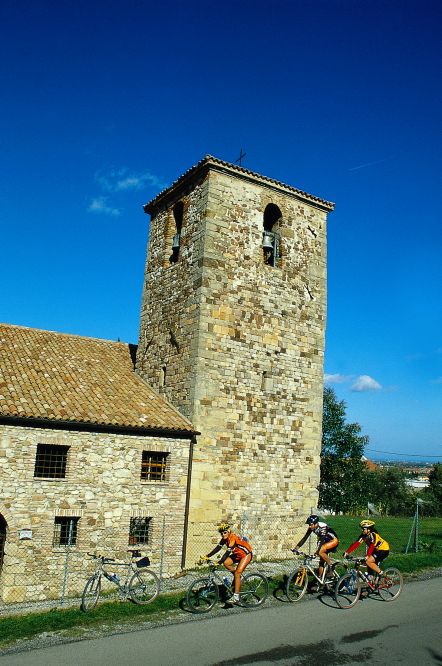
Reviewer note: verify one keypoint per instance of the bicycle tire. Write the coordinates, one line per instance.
(202, 595)
(390, 584)
(254, 590)
(348, 590)
(296, 584)
(144, 587)
(91, 593)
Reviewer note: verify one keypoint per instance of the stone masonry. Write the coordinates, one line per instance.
(102, 488)
(235, 343)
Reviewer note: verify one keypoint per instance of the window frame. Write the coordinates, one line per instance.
(60, 537)
(148, 473)
(44, 461)
(144, 530)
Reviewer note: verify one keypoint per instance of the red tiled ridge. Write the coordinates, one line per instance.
(59, 377)
(210, 161)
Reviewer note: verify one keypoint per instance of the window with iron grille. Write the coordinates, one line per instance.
(154, 466)
(50, 461)
(65, 531)
(139, 531)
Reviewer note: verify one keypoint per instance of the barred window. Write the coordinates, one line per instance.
(50, 461)
(65, 531)
(139, 531)
(154, 466)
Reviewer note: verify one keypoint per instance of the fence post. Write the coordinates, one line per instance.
(416, 536)
(66, 562)
(162, 550)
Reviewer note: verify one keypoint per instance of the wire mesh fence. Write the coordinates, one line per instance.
(61, 582)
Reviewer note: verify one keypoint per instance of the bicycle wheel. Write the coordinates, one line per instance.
(144, 586)
(254, 590)
(202, 595)
(296, 584)
(348, 590)
(91, 593)
(390, 584)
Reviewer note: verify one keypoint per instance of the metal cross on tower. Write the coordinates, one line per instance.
(240, 158)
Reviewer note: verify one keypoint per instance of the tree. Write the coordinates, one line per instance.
(388, 490)
(433, 494)
(343, 484)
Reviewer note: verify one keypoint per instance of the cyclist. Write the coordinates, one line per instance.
(378, 548)
(238, 551)
(327, 540)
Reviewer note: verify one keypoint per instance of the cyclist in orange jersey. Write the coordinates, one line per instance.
(238, 552)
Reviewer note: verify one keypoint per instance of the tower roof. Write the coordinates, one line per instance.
(213, 163)
(54, 378)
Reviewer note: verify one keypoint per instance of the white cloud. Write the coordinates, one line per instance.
(335, 379)
(121, 180)
(366, 383)
(100, 205)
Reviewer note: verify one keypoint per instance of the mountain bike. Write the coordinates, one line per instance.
(138, 583)
(298, 579)
(348, 589)
(203, 593)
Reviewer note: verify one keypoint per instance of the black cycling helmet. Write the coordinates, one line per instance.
(312, 520)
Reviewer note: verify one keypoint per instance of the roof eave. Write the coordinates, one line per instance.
(30, 422)
(214, 164)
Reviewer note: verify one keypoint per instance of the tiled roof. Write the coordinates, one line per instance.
(213, 162)
(56, 377)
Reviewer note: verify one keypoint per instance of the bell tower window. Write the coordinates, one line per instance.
(178, 211)
(270, 236)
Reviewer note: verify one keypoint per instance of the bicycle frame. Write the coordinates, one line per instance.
(363, 576)
(306, 562)
(131, 566)
(215, 576)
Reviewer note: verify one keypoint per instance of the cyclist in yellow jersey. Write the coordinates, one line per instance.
(378, 548)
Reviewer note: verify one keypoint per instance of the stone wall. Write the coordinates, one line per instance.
(238, 345)
(102, 488)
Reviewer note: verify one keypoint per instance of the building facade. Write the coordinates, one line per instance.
(232, 333)
(92, 460)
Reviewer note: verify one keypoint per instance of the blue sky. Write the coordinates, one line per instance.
(105, 103)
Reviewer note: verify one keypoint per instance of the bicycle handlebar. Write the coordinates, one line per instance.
(100, 557)
(306, 555)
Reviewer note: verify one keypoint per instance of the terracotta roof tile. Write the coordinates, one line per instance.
(59, 377)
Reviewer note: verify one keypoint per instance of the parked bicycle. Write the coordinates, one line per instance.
(349, 587)
(204, 593)
(298, 579)
(137, 582)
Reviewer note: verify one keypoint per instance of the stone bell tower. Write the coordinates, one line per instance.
(232, 334)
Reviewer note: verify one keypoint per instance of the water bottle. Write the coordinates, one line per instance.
(226, 581)
(114, 578)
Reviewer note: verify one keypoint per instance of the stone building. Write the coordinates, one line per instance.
(232, 333)
(89, 455)
(215, 414)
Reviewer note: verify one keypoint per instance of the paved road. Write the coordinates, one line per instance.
(407, 631)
